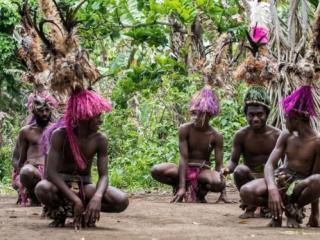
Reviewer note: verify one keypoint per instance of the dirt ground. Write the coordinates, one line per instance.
(150, 216)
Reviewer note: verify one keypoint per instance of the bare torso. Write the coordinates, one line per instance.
(300, 153)
(256, 147)
(200, 143)
(31, 141)
(88, 148)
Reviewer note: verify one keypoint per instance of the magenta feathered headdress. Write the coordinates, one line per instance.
(300, 101)
(205, 101)
(82, 106)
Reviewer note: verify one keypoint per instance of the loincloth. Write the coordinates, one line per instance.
(24, 196)
(286, 180)
(65, 209)
(192, 184)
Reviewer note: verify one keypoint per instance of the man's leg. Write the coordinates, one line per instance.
(242, 175)
(255, 193)
(29, 177)
(166, 173)
(308, 191)
(113, 200)
(48, 194)
(211, 181)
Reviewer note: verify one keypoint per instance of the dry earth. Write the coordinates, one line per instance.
(150, 216)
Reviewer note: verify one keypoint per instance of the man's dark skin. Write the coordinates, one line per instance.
(60, 161)
(197, 140)
(255, 143)
(301, 146)
(27, 153)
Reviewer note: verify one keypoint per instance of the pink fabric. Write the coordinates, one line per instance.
(22, 192)
(258, 33)
(192, 183)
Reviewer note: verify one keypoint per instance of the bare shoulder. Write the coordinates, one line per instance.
(216, 134)
(285, 135)
(184, 128)
(59, 133)
(101, 137)
(241, 133)
(273, 130)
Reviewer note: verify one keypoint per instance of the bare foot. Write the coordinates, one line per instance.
(223, 197)
(292, 222)
(313, 221)
(57, 223)
(275, 222)
(249, 213)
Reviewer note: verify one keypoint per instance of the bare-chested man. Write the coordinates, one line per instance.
(254, 142)
(193, 178)
(297, 182)
(68, 190)
(28, 159)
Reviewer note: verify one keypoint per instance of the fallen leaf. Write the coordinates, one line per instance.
(243, 222)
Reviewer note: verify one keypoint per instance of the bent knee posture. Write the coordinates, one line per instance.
(166, 173)
(29, 176)
(242, 175)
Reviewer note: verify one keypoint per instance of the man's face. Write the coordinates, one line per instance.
(199, 119)
(256, 117)
(291, 122)
(41, 110)
(94, 123)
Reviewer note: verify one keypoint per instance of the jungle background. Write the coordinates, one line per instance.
(152, 54)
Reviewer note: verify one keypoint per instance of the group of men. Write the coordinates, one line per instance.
(279, 173)
(280, 170)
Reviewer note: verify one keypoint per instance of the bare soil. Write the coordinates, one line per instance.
(151, 216)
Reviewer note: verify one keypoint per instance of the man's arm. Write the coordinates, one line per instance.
(277, 153)
(16, 155)
(218, 152)
(275, 202)
(22, 139)
(183, 163)
(235, 154)
(94, 206)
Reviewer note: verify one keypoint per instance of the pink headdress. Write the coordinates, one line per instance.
(81, 106)
(300, 101)
(205, 101)
(52, 102)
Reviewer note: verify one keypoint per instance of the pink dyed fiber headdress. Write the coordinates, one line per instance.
(300, 101)
(82, 106)
(53, 103)
(205, 101)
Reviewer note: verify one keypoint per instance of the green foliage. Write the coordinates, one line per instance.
(153, 36)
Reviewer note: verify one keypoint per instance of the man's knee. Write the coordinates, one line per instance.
(27, 171)
(314, 182)
(42, 189)
(246, 192)
(241, 171)
(215, 185)
(122, 203)
(155, 171)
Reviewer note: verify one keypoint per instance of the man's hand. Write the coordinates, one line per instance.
(179, 195)
(225, 171)
(93, 211)
(78, 214)
(275, 203)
